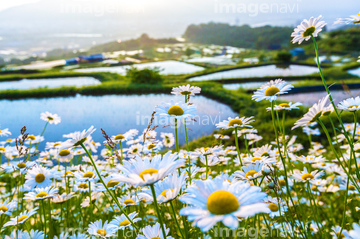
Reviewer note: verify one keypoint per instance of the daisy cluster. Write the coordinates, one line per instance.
(143, 186)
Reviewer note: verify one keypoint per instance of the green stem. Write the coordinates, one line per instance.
(237, 145)
(157, 210)
(177, 222)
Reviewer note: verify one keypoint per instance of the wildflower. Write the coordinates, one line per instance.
(140, 172)
(7, 207)
(77, 138)
(217, 200)
(41, 193)
(237, 122)
(21, 218)
(5, 132)
(285, 106)
(305, 176)
(271, 90)
(38, 176)
(251, 171)
(50, 118)
(151, 232)
(354, 19)
(314, 113)
(307, 29)
(168, 139)
(355, 234)
(351, 104)
(186, 90)
(122, 222)
(101, 230)
(177, 110)
(64, 155)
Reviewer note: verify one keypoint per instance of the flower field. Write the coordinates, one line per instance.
(145, 185)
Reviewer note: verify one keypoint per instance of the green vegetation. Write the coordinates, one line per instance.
(238, 36)
(144, 76)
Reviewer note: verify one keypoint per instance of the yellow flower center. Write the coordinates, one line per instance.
(119, 137)
(256, 159)
(314, 188)
(151, 146)
(21, 165)
(351, 187)
(129, 201)
(124, 223)
(250, 173)
(235, 122)
(282, 183)
(64, 152)
(316, 117)
(341, 236)
(88, 175)
(112, 183)
(50, 118)
(41, 195)
(2, 149)
(222, 202)
(150, 171)
(309, 31)
(39, 178)
(307, 176)
(155, 238)
(69, 173)
(31, 137)
(83, 186)
(9, 140)
(3, 208)
(56, 144)
(175, 110)
(272, 90)
(22, 218)
(273, 207)
(164, 192)
(101, 232)
(185, 92)
(284, 105)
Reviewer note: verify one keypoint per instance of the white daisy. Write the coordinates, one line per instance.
(77, 138)
(7, 208)
(21, 218)
(41, 193)
(122, 222)
(5, 132)
(152, 232)
(217, 200)
(237, 122)
(305, 176)
(51, 118)
(351, 104)
(251, 171)
(314, 113)
(39, 177)
(186, 90)
(271, 90)
(354, 19)
(140, 172)
(101, 230)
(174, 110)
(285, 106)
(355, 233)
(307, 29)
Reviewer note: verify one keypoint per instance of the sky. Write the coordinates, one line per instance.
(30, 23)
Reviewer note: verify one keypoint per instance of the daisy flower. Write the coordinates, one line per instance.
(251, 171)
(122, 222)
(186, 90)
(62, 198)
(77, 138)
(21, 218)
(271, 90)
(305, 176)
(7, 207)
(237, 122)
(285, 106)
(39, 177)
(217, 200)
(307, 29)
(41, 193)
(355, 234)
(174, 110)
(168, 139)
(167, 189)
(50, 118)
(135, 149)
(314, 113)
(5, 132)
(141, 172)
(151, 232)
(351, 104)
(26, 235)
(64, 155)
(354, 19)
(101, 230)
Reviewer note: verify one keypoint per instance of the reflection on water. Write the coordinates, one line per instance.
(355, 72)
(167, 67)
(260, 71)
(50, 83)
(114, 113)
(247, 85)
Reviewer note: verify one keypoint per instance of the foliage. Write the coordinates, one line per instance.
(144, 76)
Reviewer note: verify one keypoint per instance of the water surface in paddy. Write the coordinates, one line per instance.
(114, 113)
(26, 84)
(259, 71)
(167, 68)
